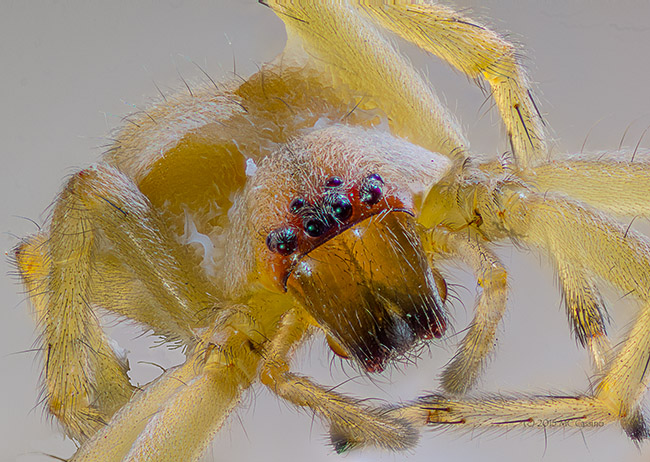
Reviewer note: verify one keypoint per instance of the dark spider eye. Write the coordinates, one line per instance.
(282, 240)
(333, 182)
(338, 206)
(297, 205)
(371, 189)
(315, 226)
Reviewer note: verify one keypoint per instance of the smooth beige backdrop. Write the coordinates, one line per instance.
(69, 70)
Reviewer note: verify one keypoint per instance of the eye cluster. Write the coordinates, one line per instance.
(333, 209)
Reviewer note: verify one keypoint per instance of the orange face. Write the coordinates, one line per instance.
(315, 220)
(372, 289)
(341, 237)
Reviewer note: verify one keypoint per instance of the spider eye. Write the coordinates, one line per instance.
(338, 206)
(283, 241)
(333, 182)
(371, 189)
(297, 205)
(315, 226)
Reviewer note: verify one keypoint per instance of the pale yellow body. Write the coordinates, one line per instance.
(121, 239)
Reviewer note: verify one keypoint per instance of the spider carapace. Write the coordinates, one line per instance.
(238, 219)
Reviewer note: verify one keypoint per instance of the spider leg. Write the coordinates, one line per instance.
(584, 238)
(586, 312)
(479, 53)
(175, 417)
(470, 359)
(576, 237)
(612, 186)
(359, 60)
(72, 342)
(503, 412)
(69, 275)
(105, 208)
(347, 416)
(615, 399)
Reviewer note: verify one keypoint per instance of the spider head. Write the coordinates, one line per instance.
(337, 210)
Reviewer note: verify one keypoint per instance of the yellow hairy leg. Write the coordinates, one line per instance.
(351, 423)
(621, 187)
(117, 214)
(478, 52)
(85, 381)
(473, 353)
(576, 237)
(584, 238)
(502, 412)
(362, 62)
(586, 311)
(176, 416)
(69, 277)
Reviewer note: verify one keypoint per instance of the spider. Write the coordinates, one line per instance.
(322, 209)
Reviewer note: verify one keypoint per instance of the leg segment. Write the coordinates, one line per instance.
(351, 423)
(470, 359)
(175, 417)
(615, 400)
(85, 380)
(579, 237)
(478, 52)
(500, 412)
(627, 376)
(612, 186)
(339, 38)
(587, 315)
(105, 246)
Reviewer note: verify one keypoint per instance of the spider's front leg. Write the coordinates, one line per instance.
(469, 361)
(577, 238)
(351, 423)
(344, 37)
(106, 247)
(478, 52)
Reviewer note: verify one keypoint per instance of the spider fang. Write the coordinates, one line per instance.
(370, 317)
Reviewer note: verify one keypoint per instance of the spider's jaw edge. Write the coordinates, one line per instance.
(372, 291)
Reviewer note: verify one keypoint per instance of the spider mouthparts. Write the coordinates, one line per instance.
(372, 290)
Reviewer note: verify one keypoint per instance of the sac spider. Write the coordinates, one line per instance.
(280, 238)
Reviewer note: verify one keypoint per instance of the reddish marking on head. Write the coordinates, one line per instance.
(306, 214)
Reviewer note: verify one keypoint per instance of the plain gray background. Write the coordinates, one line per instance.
(69, 70)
